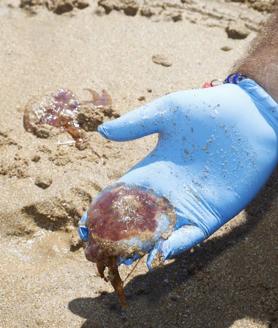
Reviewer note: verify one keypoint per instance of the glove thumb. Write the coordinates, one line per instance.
(182, 239)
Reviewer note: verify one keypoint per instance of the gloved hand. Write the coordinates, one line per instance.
(216, 149)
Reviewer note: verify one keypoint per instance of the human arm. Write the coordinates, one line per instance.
(261, 62)
(217, 148)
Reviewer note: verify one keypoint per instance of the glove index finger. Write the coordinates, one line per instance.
(138, 123)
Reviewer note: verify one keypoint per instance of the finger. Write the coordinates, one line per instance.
(128, 261)
(138, 123)
(82, 228)
(181, 240)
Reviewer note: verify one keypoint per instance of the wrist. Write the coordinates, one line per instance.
(267, 105)
(261, 97)
(266, 76)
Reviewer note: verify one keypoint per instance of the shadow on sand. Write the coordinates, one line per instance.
(227, 278)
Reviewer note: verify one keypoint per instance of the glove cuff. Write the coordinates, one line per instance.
(262, 99)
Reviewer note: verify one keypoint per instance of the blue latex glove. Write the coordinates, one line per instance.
(216, 149)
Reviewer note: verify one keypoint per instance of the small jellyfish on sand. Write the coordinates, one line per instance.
(125, 222)
(60, 110)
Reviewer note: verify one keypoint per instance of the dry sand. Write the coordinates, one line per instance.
(229, 281)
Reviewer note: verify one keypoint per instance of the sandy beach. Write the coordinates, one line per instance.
(231, 280)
